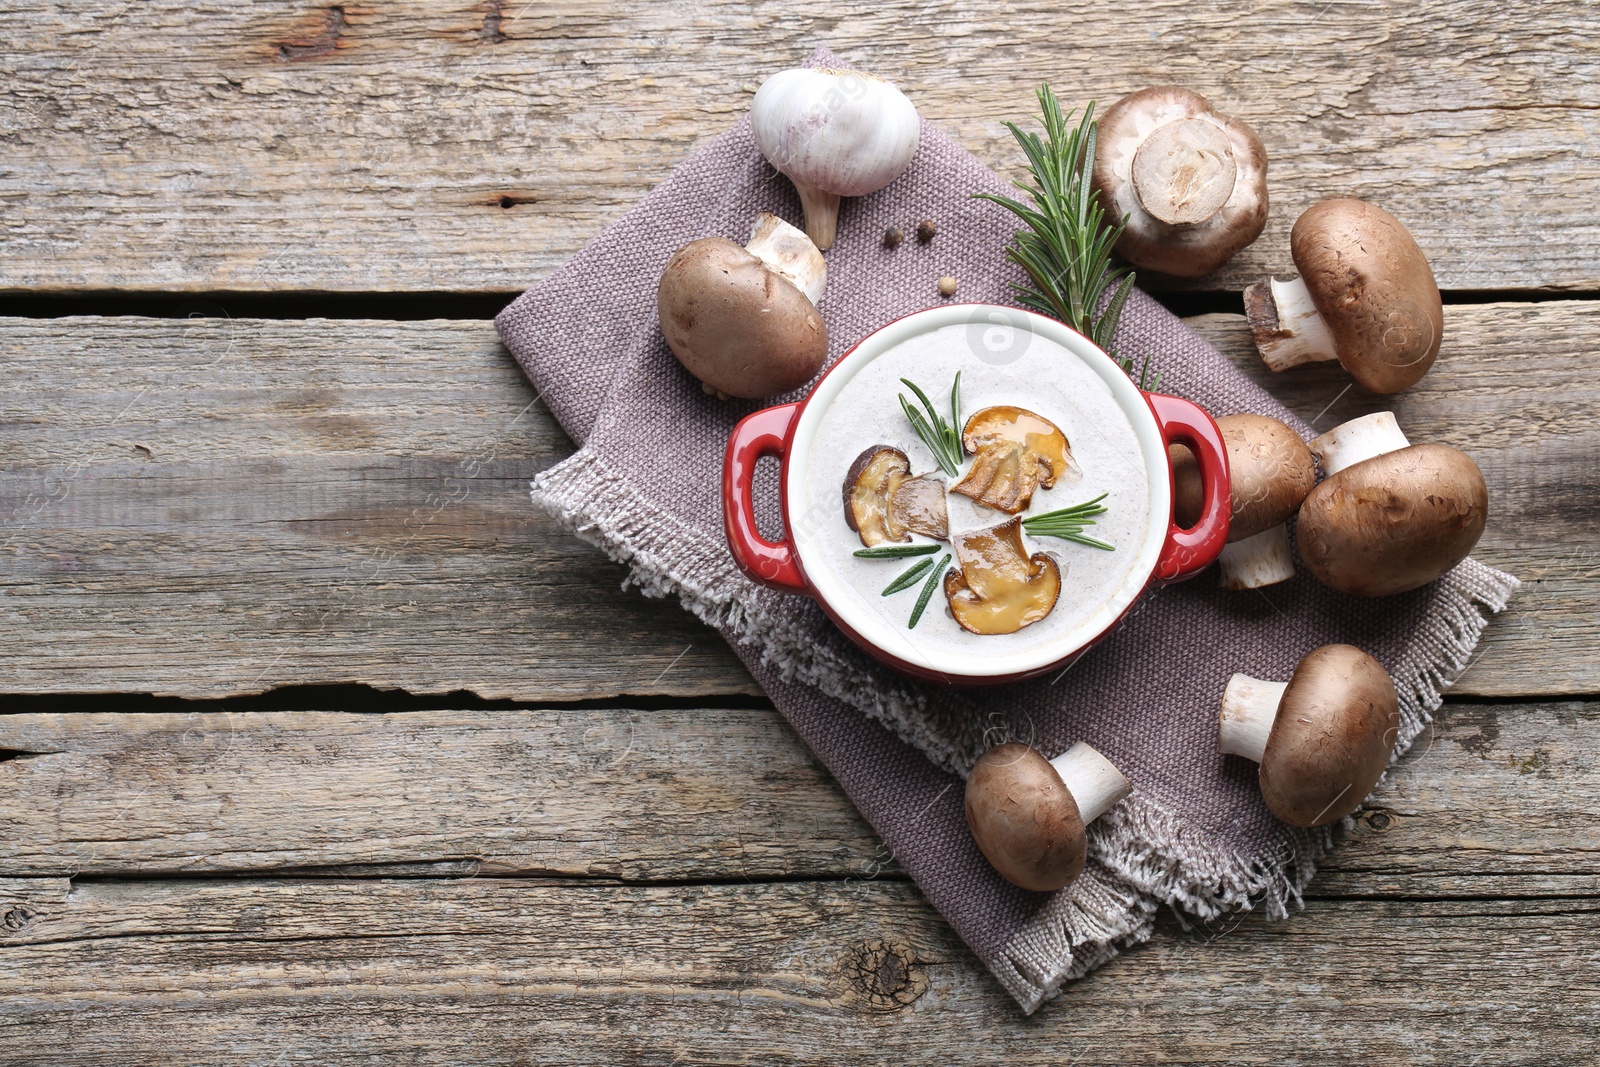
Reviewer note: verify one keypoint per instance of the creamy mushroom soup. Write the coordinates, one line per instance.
(1046, 379)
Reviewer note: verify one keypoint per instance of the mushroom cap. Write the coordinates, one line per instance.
(1024, 818)
(1332, 738)
(1188, 490)
(1218, 142)
(737, 325)
(1394, 522)
(1373, 288)
(1270, 470)
(996, 587)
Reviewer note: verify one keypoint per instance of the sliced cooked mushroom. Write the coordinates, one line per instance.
(883, 502)
(1017, 452)
(917, 505)
(1390, 516)
(1365, 296)
(1191, 181)
(744, 320)
(871, 481)
(1027, 814)
(996, 587)
(1322, 738)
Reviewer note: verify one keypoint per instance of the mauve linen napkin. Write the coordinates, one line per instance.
(645, 483)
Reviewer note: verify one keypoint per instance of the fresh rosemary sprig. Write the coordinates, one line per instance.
(1066, 248)
(1069, 523)
(927, 591)
(942, 438)
(908, 579)
(895, 551)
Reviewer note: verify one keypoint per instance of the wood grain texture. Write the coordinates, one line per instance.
(217, 507)
(1495, 800)
(214, 507)
(703, 793)
(412, 146)
(496, 972)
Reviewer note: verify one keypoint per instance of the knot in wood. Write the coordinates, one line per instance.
(1378, 820)
(19, 916)
(883, 977)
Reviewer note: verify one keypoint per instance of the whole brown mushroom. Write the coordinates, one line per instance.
(1028, 814)
(1270, 471)
(1365, 296)
(1323, 738)
(744, 320)
(1390, 516)
(1191, 181)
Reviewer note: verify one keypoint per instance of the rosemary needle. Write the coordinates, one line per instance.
(895, 551)
(927, 592)
(942, 438)
(908, 579)
(1069, 523)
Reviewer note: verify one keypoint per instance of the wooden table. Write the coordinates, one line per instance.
(320, 746)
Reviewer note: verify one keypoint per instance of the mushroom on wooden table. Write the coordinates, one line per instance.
(1390, 516)
(1323, 738)
(1191, 181)
(1270, 471)
(1365, 296)
(1028, 814)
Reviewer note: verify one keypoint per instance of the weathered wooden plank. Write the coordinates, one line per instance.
(1497, 800)
(1515, 388)
(405, 146)
(215, 507)
(703, 793)
(438, 972)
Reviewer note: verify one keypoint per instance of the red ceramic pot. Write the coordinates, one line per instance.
(1119, 438)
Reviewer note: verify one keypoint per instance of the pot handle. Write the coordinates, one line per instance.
(772, 563)
(1188, 552)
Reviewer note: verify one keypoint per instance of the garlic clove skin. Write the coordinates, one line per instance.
(833, 133)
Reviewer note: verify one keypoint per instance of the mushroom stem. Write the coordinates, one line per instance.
(1286, 325)
(1094, 781)
(1184, 172)
(1351, 442)
(822, 213)
(1257, 561)
(789, 252)
(1249, 708)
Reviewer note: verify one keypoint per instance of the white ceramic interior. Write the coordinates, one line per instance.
(820, 555)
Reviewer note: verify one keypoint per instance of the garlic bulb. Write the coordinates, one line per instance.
(833, 133)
